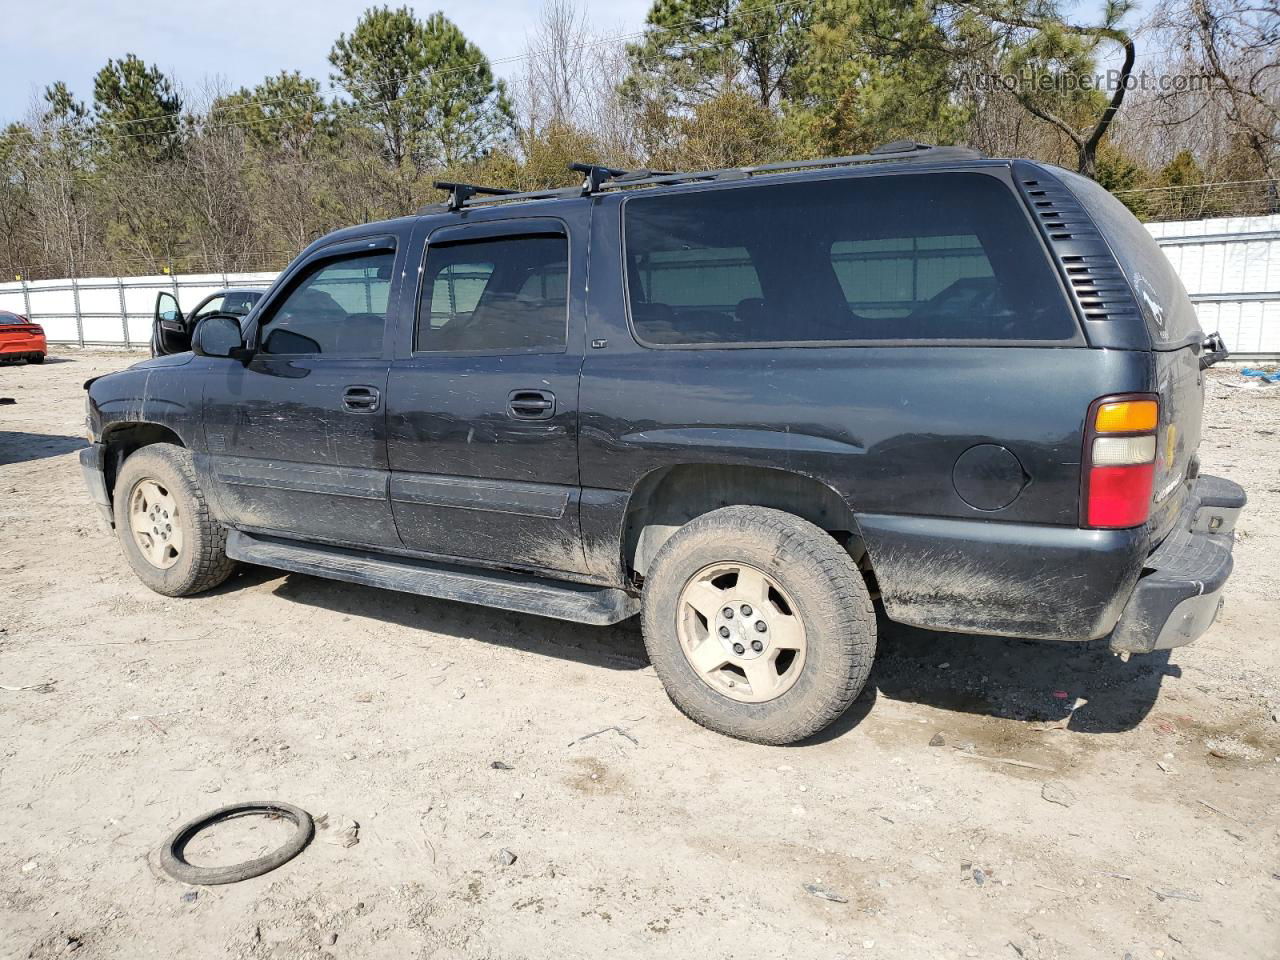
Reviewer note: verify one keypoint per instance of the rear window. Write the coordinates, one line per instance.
(914, 257)
(1170, 316)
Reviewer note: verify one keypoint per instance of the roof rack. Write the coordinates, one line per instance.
(600, 178)
(895, 152)
(460, 193)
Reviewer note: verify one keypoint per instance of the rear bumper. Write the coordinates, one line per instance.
(1179, 593)
(1057, 582)
(93, 462)
(11, 346)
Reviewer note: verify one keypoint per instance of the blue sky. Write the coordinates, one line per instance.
(240, 40)
(243, 41)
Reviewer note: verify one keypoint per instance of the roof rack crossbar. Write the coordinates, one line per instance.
(559, 193)
(460, 193)
(598, 175)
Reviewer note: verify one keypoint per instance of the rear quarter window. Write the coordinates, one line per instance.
(947, 256)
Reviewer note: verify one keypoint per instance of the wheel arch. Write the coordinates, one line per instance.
(121, 440)
(670, 496)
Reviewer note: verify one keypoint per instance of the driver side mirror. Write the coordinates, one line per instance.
(218, 336)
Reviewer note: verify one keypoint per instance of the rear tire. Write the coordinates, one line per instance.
(36, 358)
(169, 537)
(801, 628)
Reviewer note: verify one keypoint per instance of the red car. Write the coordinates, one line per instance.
(20, 339)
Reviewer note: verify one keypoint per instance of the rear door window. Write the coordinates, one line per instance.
(948, 256)
(495, 295)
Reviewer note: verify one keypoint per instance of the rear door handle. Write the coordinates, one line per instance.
(531, 404)
(361, 399)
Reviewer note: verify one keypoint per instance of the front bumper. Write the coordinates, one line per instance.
(1179, 594)
(93, 461)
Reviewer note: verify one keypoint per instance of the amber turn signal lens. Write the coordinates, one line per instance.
(1126, 416)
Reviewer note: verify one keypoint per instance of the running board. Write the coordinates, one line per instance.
(580, 603)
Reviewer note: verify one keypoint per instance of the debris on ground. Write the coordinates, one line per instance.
(346, 831)
(1175, 895)
(824, 893)
(499, 765)
(505, 857)
(1232, 748)
(1006, 760)
(1055, 791)
(173, 860)
(44, 687)
(615, 729)
(1220, 811)
(1266, 377)
(937, 740)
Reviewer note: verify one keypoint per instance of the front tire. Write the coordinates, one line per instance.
(758, 624)
(169, 537)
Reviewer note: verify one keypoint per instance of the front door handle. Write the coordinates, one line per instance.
(361, 399)
(531, 404)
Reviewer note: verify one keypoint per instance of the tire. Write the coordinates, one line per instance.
(36, 358)
(175, 864)
(805, 574)
(192, 557)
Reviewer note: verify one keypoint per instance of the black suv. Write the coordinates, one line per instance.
(741, 403)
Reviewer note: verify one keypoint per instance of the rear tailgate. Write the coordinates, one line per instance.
(1181, 388)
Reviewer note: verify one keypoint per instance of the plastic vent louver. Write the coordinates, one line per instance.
(1093, 276)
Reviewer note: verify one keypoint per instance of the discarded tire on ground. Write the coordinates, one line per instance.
(174, 864)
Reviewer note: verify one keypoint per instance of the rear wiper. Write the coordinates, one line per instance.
(1213, 348)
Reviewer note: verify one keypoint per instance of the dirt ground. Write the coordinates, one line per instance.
(1144, 826)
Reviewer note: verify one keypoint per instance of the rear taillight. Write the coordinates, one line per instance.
(36, 328)
(1119, 462)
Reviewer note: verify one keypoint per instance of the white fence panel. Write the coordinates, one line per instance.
(1229, 265)
(112, 311)
(1231, 268)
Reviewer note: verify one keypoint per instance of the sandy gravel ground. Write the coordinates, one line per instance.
(1153, 832)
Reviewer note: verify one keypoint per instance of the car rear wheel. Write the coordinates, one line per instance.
(169, 537)
(758, 624)
(36, 358)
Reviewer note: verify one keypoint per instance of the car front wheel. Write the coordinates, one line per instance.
(169, 537)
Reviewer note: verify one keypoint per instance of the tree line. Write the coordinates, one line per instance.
(143, 177)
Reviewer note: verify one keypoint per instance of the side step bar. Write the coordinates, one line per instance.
(580, 603)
